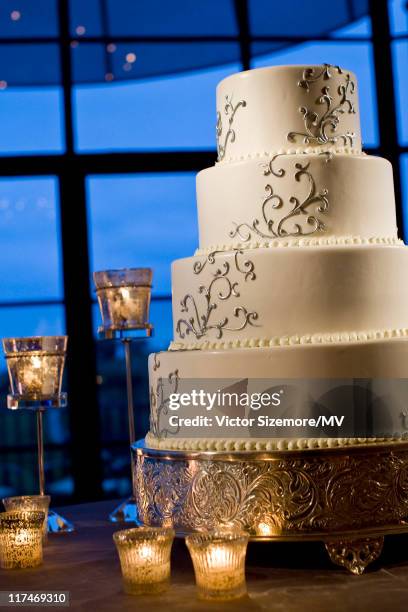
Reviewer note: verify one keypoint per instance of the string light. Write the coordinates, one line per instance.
(130, 58)
(15, 15)
(80, 30)
(3, 84)
(111, 48)
(109, 76)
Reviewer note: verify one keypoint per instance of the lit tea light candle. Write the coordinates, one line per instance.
(124, 297)
(39, 503)
(219, 563)
(21, 539)
(35, 366)
(144, 554)
(266, 529)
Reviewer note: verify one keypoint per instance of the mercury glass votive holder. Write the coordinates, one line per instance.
(144, 554)
(40, 503)
(21, 538)
(124, 297)
(219, 563)
(35, 366)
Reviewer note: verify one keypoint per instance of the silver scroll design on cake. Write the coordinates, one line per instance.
(322, 128)
(271, 225)
(220, 288)
(159, 404)
(156, 362)
(229, 110)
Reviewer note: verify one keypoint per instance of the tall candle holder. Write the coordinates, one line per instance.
(35, 366)
(124, 302)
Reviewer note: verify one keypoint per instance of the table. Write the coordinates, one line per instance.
(287, 577)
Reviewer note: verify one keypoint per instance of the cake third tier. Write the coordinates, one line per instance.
(267, 297)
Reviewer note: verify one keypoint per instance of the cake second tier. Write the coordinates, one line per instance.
(269, 297)
(296, 199)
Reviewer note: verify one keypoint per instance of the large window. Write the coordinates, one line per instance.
(107, 112)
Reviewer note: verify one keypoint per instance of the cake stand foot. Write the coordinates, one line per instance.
(355, 555)
(126, 512)
(58, 524)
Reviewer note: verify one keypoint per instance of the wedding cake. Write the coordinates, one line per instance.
(299, 271)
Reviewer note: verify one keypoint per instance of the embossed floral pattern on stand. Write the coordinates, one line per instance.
(323, 494)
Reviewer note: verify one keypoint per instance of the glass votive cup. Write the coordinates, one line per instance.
(40, 503)
(21, 539)
(124, 297)
(35, 366)
(144, 554)
(219, 563)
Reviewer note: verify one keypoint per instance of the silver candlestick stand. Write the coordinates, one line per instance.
(126, 512)
(124, 302)
(56, 523)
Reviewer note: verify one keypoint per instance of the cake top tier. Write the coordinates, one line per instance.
(287, 109)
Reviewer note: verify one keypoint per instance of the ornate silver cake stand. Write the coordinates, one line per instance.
(349, 497)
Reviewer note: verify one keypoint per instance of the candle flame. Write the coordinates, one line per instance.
(145, 552)
(219, 557)
(36, 362)
(21, 537)
(264, 529)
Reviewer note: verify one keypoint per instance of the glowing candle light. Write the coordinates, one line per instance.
(124, 298)
(219, 563)
(39, 503)
(266, 529)
(144, 554)
(21, 539)
(35, 365)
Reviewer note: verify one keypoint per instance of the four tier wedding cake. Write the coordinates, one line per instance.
(299, 271)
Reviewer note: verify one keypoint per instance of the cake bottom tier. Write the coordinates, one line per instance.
(377, 359)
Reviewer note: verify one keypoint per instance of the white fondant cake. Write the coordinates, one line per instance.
(299, 271)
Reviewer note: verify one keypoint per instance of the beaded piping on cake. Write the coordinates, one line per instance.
(159, 404)
(199, 318)
(339, 150)
(230, 111)
(301, 242)
(239, 444)
(289, 224)
(294, 340)
(322, 128)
